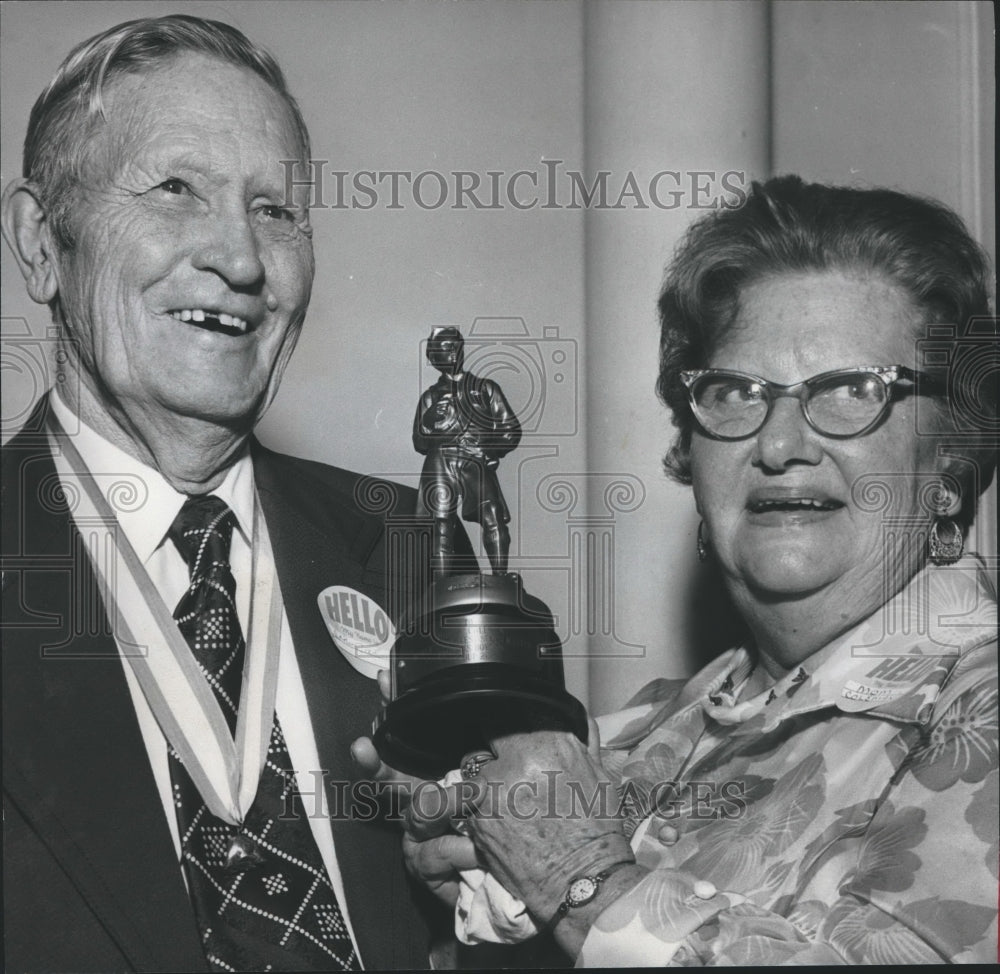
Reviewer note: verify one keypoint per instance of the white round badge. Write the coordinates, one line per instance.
(359, 626)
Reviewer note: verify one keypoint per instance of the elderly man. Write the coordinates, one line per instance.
(166, 668)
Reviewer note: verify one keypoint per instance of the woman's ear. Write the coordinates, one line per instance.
(27, 232)
(947, 491)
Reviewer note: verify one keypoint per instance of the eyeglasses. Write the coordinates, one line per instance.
(839, 404)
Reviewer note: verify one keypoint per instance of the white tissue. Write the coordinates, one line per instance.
(485, 911)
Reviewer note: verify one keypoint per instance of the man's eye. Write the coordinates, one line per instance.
(277, 213)
(175, 187)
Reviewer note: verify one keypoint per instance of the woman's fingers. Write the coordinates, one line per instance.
(434, 809)
(438, 858)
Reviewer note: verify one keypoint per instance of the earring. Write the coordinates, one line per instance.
(702, 543)
(948, 549)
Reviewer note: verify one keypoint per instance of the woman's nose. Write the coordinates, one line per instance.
(786, 437)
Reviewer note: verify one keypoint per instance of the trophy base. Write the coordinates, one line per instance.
(481, 661)
(429, 731)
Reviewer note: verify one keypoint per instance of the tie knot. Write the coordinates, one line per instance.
(202, 531)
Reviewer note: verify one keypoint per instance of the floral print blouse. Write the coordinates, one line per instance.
(848, 814)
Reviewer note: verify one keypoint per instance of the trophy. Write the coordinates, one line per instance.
(476, 656)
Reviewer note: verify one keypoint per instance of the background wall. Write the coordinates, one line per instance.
(557, 299)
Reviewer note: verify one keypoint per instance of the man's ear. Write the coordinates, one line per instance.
(27, 232)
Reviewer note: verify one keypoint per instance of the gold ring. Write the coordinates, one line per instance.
(473, 764)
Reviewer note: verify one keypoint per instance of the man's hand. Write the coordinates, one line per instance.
(370, 766)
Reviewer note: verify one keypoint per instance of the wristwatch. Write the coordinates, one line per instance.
(584, 889)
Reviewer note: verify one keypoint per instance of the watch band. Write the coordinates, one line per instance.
(584, 890)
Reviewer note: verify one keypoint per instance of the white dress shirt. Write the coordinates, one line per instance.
(145, 518)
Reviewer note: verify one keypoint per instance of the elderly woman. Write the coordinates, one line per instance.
(826, 793)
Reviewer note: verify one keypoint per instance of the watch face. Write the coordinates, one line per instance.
(581, 891)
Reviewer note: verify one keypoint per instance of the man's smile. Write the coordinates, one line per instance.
(212, 320)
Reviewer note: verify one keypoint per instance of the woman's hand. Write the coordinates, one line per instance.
(543, 813)
(549, 814)
(438, 861)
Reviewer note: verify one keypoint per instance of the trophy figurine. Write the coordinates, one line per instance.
(476, 657)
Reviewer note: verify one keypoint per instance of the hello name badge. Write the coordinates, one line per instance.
(893, 678)
(359, 626)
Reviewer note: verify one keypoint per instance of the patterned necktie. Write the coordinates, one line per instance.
(262, 896)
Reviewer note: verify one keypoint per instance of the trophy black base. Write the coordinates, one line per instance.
(480, 660)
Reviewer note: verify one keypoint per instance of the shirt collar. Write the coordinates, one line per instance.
(144, 502)
(894, 663)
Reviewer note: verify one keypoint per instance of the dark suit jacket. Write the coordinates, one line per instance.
(91, 880)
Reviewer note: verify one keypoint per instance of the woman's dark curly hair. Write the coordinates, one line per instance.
(790, 226)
